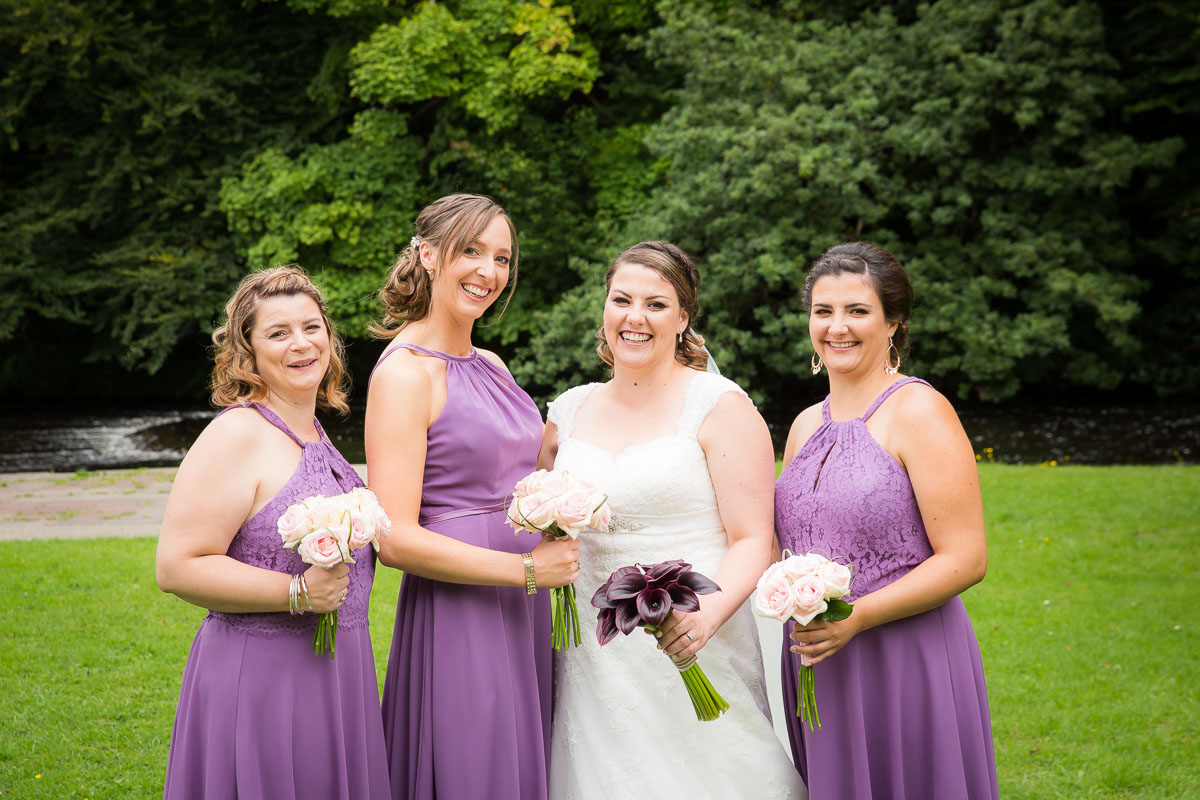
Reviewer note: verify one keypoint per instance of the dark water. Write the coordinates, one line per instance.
(1155, 433)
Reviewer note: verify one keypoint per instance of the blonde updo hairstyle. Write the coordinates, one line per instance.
(235, 377)
(450, 225)
(677, 269)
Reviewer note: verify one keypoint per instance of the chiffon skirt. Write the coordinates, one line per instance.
(466, 700)
(904, 714)
(265, 717)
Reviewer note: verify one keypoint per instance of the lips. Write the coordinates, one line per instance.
(841, 346)
(476, 291)
(634, 338)
(303, 364)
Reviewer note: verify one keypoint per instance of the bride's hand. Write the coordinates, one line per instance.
(683, 635)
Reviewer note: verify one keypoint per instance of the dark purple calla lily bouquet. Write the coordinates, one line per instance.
(644, 596)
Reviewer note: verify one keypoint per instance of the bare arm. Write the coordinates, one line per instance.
(399, 412)
(741, 463)
(221, 481)
(935, 450)
(549, 450)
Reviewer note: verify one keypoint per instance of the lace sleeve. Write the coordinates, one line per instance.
(561, 410)
(700, 396)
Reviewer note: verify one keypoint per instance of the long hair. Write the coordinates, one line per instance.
(450, 224)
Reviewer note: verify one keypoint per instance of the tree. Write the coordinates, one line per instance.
(970, 138)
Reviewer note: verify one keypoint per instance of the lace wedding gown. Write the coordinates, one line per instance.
(623, 724)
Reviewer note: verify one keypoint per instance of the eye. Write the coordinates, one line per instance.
(315, 327)
(471, 251)
(657, 305)
(820, 312)
(276, 334)
(620, 301)
(503, 260)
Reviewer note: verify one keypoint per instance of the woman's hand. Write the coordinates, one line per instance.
(819, 640)
(555, 562)
(327, 588)
(684, 634)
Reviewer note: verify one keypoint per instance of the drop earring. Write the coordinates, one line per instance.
(887, 362)
(816, 364)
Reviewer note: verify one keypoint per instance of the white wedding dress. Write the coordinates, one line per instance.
(623, 724)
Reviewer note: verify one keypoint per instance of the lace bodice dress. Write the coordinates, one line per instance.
(623, 724)
(903, 705)
(260, 714)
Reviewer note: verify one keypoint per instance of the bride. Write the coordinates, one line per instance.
(689, 469)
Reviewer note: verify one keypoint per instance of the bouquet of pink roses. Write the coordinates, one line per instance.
(556, 504)
(804, 588)
(324, 531)
(641, 596)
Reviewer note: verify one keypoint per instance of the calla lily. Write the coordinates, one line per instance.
(645, 596)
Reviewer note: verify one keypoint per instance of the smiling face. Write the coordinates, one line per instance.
(846, 322)
(468, 285)
(642, 317)
(291, 344)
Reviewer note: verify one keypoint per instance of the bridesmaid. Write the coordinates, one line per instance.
(466, 699)
(260, 714)
(882, 474)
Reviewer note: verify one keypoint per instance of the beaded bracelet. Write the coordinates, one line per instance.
(530, 579)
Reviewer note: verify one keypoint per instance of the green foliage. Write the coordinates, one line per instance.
(117, 123)
(496, 97)
(971, 141)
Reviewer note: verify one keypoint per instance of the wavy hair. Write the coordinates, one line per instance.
(235, 378)
(449, 224)
(677, 269)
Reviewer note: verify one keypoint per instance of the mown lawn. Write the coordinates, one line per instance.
(1087, 620)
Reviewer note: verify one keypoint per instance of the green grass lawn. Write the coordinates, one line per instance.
(1087, 620)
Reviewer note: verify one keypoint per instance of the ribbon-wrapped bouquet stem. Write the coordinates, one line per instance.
(641, 596)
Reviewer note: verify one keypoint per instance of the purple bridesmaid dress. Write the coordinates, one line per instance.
(260, 714)
(903, 706)
(466, 699)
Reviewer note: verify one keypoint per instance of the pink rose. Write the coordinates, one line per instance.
(810, 598)
(362, 531)
(530, 484)
(295, 524)
(800, 566)
(574, 512)
(774, 598)
(836, 578)
(602, 517)
(324, 548)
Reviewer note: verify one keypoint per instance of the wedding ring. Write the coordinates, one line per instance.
(690, 637)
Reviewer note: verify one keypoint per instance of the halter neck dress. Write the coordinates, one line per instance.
(466, 698)
(260, 714)
(904, 707)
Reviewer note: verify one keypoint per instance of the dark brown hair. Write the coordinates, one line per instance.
(677, 269)
(885, 274)
(235, 378)
(450, 224)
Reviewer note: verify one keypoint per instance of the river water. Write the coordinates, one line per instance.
(1154, 433)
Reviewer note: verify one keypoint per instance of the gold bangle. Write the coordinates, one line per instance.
(530, 579)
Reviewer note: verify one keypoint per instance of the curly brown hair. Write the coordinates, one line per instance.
(677, 269)
(235, 377)
(450, 224)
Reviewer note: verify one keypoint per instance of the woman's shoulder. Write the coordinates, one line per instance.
(710, 383)
(563, 407)
(917, 400)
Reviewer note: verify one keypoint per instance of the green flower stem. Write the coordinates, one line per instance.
(806, 697)
(707, 704)
(565, 627)
(325, 636)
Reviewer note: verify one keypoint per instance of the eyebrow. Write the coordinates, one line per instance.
(501, 250)
(649, 297)
(280, 324)
(848, 305)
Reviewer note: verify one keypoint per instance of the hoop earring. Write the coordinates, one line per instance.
(817, 363)
(888, 369)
